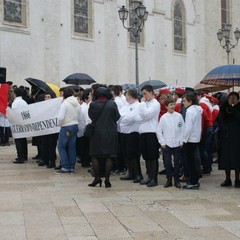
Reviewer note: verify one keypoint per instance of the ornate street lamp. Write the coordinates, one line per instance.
(224, 38)
(140, 15)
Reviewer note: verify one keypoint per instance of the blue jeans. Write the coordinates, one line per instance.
(67, 147)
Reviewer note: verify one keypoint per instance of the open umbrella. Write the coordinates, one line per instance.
(227, 75)
(55, 88)
(154, 83)
(41, 85)
(128, 86)
(79, 79)
(210, 88)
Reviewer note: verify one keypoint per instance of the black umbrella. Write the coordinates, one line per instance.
(79, 79)
(75, 88)
(156, 84)
(41, 85)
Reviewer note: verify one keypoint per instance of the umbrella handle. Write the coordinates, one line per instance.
(34, 96)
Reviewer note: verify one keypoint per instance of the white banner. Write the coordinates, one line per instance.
(36, 119)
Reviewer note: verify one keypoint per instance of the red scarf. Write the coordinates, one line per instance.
(102, 98)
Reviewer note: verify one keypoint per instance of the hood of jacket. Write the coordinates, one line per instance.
(71, 101)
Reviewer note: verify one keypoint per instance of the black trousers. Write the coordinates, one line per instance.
(193, 161)
(83, 150)
(120, 160)
(22, 149)
(168, 153)
(48, 148)
(149, 147)
(4, 133)
(131, 152)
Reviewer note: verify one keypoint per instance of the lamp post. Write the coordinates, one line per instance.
(224, 38)
(139, 15)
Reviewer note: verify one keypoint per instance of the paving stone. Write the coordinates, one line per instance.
(37, 204)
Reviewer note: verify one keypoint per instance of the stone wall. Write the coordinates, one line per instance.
(47, 48)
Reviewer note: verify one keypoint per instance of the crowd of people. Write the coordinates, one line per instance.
(110, 131)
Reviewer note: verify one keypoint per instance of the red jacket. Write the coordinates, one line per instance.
(207, 120)
(162, 111)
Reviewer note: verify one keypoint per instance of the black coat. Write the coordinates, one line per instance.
(229, 137)
(104, 142)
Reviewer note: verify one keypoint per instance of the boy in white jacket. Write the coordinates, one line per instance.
(191, 139)
(170, 136)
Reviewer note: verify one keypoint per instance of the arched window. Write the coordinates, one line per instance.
(225, 12)
(179, 25)
(14, 12)
(82, 18)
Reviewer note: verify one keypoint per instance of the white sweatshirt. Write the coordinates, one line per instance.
(149, 112)
(193, 124)
(120, 102)
(19, 103)
(170, 129)
(130, 118)
(70, 112)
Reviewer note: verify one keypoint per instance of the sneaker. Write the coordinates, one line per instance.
(177, 184)
(152, 183)
(60, 171)
(58, 167)
(119, 172)
(183, 179)
(191, 186)
(168, 184)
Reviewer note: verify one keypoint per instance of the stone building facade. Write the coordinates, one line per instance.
(50, 39)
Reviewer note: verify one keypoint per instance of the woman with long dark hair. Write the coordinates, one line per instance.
(104, 143)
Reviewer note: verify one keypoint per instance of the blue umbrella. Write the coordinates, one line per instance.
(156, 84)
(226, 75)
(128, 86)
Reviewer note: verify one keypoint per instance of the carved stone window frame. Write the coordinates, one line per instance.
(179, 24)
(24, 13)
(90, 22)
(225, 12)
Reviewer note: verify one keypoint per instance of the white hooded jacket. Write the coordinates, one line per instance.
(70, 112)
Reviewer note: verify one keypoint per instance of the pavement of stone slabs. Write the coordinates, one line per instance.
(36, 204)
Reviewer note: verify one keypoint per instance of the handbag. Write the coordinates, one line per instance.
(89, 129)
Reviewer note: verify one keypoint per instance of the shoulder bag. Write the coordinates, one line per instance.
(89, 129)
